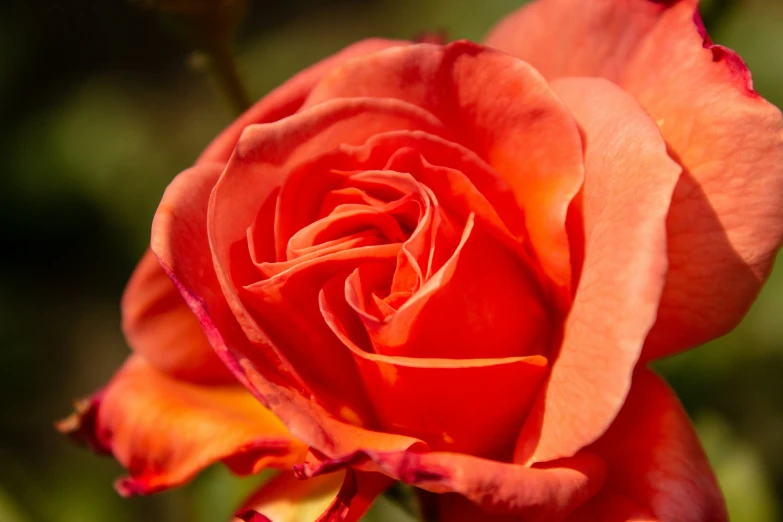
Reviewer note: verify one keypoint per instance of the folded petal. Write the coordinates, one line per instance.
(287, 309)
(543, 493)
(726, 218)
(310, 423)
(337, 497)
(265, 156)
(160, 326)
(179, 240)
(286, 99)
(481, 283)
(629, 180)
(656, 468)
(287, 499)
(461, 180)
(164, 431)
(500, 108)
(430, 398)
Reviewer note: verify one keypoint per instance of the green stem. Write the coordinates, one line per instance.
(225, 70)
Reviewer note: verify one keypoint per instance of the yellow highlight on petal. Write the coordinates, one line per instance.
(350, 416)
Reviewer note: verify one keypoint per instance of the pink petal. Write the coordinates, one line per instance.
(264, 157)
(726, 219)
(546, 493)
(430, 398)
(160, 326)
(165, 431)
(656, 468)
(628, 184)
(336, 497)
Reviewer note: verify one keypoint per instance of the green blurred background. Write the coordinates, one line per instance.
(100, 108)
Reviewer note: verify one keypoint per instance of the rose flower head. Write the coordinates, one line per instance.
(449, 266)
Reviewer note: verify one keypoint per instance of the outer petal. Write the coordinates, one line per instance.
(164, 431)
(179, 240)
(288, 499)
(656, 469)
(159, 325)
(337, 497)
(628, 185)
(572, 38)
(286, 99)
(545, 493)
(726, 220)
(497, 106)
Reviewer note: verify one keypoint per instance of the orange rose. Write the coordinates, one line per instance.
(443, 265)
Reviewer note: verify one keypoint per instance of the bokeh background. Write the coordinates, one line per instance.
(100, 108)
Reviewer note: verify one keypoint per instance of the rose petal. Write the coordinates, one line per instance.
(312, 424)
(462, 182)
(726, 219)
(80, 425)
(160, 326)
(263, 159)
(416, 209)
(165, 431)
(286, 308)
(179, 235)
(285, 498)
(268, 301)
(179, 240)
(497, 106)
(430, 398)
(656, 466)
(612, 507)
(598, 39)
(628, 185)
(346, 220)
(546, 493)
(286, 99)
(337, 497)
(481, 284)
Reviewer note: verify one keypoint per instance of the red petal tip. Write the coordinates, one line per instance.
(81, 425)
(733, 61)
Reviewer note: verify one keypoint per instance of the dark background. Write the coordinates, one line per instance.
(100, 108)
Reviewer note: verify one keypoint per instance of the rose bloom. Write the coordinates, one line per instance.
(450, 266)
